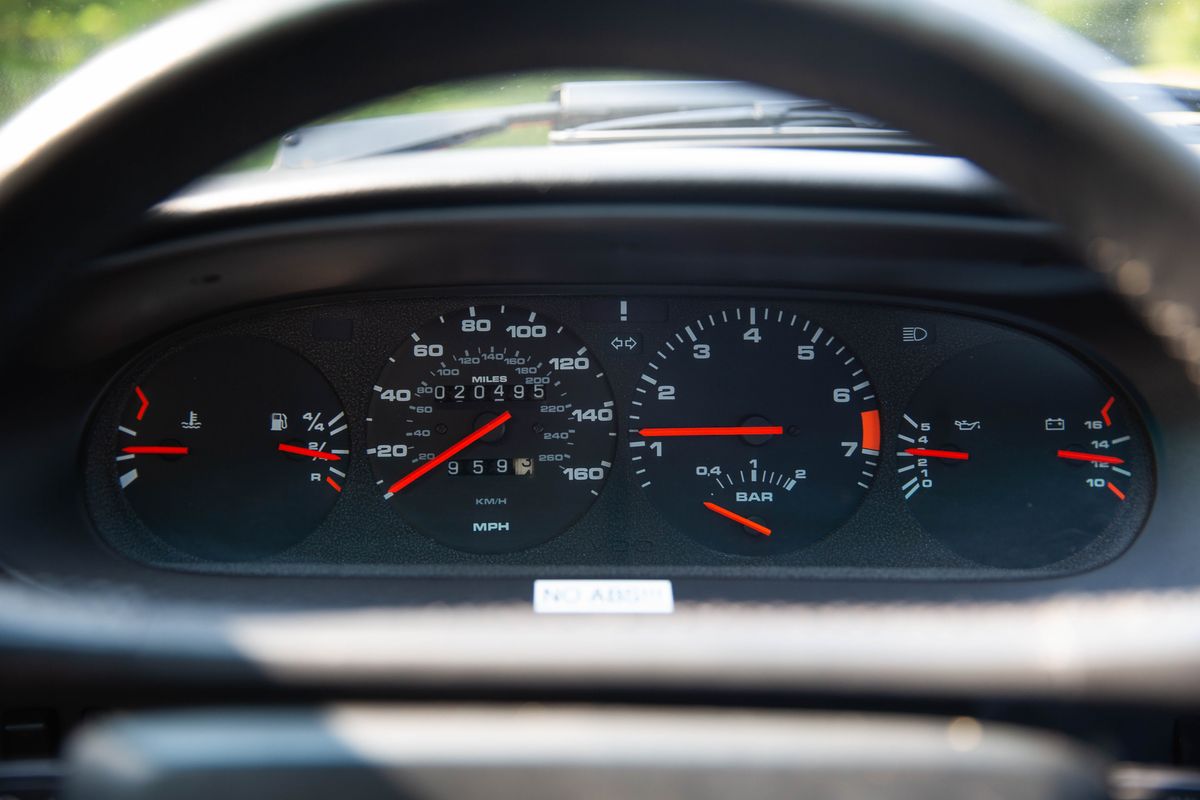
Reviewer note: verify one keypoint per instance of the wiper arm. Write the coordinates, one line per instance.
(320, 145)
(580, 112)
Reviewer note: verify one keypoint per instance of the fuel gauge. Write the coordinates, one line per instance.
(232, 448)
(1015, 455)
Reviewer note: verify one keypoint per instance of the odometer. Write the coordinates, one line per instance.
(754, 431)
(491, 429)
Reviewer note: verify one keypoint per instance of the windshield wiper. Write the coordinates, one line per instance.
(585, 112)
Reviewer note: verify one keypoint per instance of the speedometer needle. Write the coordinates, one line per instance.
(449, 453)
(304, 451)
(735, 430)
(738, 518)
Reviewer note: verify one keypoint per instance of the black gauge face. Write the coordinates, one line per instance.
(491, 429)
(232, 448)
(754, 431)
(1015, 455)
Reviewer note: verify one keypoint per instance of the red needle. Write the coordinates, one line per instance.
(155, 450)
(738, 518)
(953, 455)
(304, 451)
(1095, 458)
(450, 452)
(737, 430)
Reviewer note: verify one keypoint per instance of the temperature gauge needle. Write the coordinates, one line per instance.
(738, 518)
(952, 455)
(735, 430)
(304, 451)
(1095, 458)
(155, 450)
(449, 453)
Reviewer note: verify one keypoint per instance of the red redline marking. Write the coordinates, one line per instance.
(450, 452)
(749, 523)
(304, 451)
(145, 402)
(870, 430)
(333, 483)
(1095, 458)
(733, 430)
(1104, 411)
(1120, 495)
(953, 455)
(155, 450)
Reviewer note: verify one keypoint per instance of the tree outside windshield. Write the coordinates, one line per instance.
(41, 40)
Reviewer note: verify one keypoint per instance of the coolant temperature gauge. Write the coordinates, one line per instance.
(232, 448)
(1014, 455)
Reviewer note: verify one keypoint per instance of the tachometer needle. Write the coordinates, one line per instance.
(1095, 458)
(735, 430)
(304, 451)
(155, 450)
(738, 518)
(952, 455)
(449, 453)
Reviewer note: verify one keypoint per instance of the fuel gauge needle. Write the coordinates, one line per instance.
(449, 453)
(738, 518)
(304, 451)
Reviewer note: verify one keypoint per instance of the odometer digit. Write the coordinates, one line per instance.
(491, 429)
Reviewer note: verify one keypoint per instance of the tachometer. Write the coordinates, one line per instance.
(491, 429)
(755, 431)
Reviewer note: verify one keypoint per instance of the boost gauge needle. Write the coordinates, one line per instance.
(738, 518)
(449, 453)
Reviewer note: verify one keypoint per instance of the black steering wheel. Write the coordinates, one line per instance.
(80, 165)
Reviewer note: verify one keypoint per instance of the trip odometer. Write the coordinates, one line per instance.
(754, 430)
(491, 429)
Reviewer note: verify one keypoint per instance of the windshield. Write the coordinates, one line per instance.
(39, 41)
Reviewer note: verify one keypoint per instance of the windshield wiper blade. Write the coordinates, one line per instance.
(596, 111)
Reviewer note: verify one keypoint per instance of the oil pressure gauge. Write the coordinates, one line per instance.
(1015, 455)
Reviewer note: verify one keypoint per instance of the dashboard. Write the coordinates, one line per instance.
(622, 432)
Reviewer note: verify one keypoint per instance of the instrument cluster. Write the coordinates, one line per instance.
(614, 432)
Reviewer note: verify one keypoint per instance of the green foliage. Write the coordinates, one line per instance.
(42, 39)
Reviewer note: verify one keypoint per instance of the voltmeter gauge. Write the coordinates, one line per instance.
(1016, 455)
(491, 429)
(754, 430)
(232, 448)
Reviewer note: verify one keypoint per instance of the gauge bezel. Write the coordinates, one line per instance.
(621, 535)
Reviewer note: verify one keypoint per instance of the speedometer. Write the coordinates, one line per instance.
(491, 429)
(754, 431)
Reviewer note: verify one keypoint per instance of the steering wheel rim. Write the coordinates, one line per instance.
(1127, 192)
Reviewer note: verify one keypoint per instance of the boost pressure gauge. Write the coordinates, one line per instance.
(491, 429)
(754, 430)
